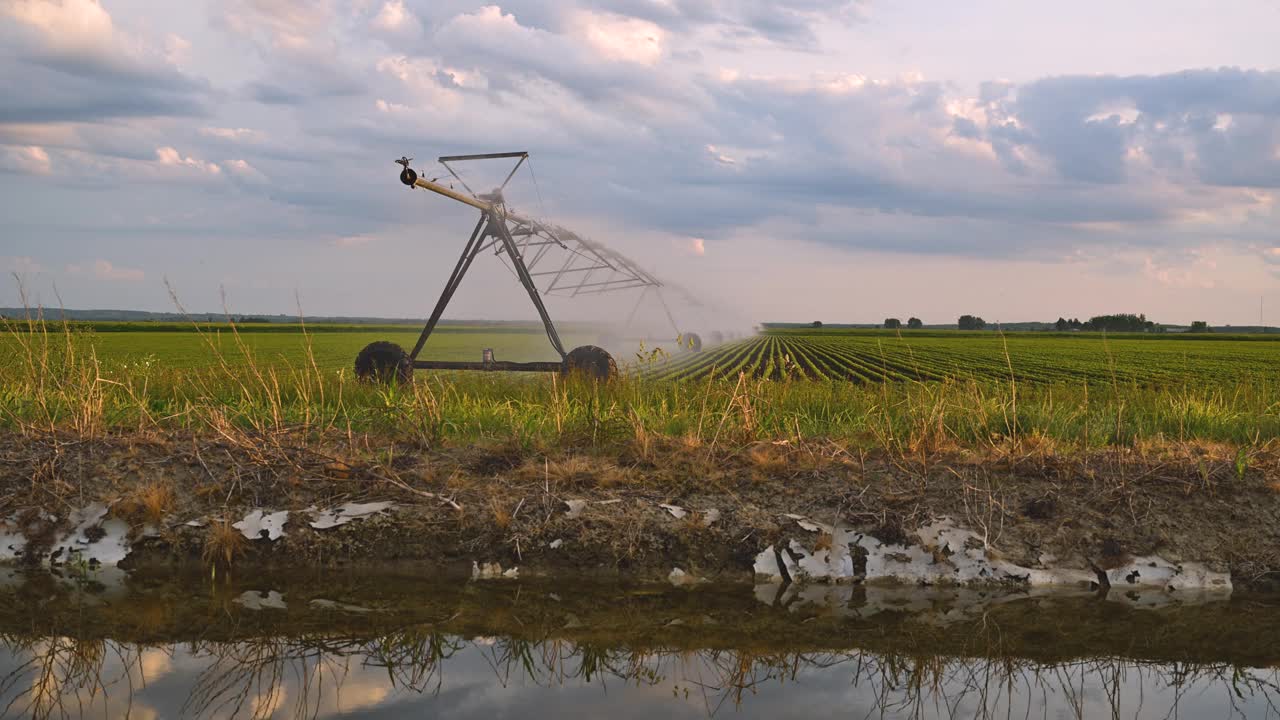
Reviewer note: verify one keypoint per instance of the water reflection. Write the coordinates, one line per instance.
(679, 654)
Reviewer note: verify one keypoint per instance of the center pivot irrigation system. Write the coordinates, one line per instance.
(570, 265)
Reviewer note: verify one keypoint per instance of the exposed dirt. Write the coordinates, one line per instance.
(507, 504)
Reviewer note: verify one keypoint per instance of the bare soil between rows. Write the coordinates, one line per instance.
(505, 503)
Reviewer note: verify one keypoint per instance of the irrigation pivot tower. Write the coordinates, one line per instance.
(569, 265)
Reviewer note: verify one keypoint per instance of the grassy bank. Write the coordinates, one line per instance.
(1081, 469)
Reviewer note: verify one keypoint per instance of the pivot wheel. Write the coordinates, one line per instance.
(384, 362)
(691, 342)
(590, 361)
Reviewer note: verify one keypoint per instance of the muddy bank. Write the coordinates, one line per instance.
(1177, 518)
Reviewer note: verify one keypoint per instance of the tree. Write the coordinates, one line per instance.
(914, 323)
(1062, 324)
(1200, 326)
(892, 324)
(816, 323)
(1122, 322)
(972, 322)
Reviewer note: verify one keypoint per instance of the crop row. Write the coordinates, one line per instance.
(863, 359)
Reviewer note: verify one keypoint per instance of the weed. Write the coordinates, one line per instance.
(223, 544)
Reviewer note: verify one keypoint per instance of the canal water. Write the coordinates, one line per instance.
(389, 645)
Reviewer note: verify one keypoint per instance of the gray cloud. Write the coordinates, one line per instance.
(1225, 123)
(41, 83)
(786, 22)
(36, 94)
(789, 22)
(1003, 170)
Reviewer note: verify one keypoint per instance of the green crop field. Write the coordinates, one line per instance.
(871, 356)
(121, 346)
(867, 388)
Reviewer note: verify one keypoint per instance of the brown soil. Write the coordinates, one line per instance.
(507, 503)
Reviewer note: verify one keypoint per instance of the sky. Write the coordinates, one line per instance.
(784, 160)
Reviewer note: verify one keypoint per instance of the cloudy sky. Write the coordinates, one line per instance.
(844, 160)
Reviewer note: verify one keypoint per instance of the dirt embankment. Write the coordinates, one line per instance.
(640, 510)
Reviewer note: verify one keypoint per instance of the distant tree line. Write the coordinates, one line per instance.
(972, 322)
(914, 323)
(1124, 322)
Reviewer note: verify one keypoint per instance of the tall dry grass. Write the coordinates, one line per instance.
(51, 381)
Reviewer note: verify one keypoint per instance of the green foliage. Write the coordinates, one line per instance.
(915, 323)
(869, 388)
(971, 322)
(1146, 360)
(892, 324)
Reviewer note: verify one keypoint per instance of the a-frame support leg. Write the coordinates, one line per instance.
(499, 228)
(464, 262)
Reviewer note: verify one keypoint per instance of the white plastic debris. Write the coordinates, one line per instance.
(492, 571)
(809, 525)
(680, 578)
(676, 511)
(196, 523)
(555, 544)
(947, 554)
(259, 523)
(257, 600)
(710, 516)
(347, 512)
(92, 539)
(1157, 572)
(575, 507)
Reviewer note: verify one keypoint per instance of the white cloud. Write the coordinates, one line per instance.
(245, 171)
(427, 81)
(719, 157)
(27, 160)
(169, 156)
(352, 241)
(176, 49)
(386, 107)
(106, 270)
(291, 26)
(71, 25)
(619, 38)
(231, 133)
(695, 246)
(1194, 274)
(395, 18)
(84, 30)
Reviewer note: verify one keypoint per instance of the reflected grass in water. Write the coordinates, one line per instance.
(184, 648)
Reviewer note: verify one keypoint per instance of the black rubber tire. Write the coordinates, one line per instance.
(691, 342)
(384, 362)
(590, 361)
